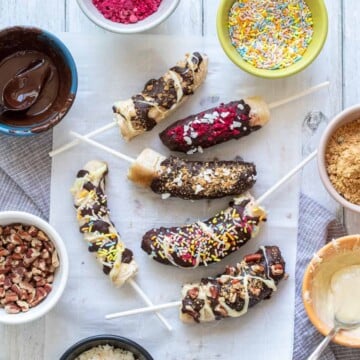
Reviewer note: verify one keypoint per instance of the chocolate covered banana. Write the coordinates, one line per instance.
(143, 111)
(205, 242)
(98, 230)
(239, 288)
(217, 125)
(191, 179)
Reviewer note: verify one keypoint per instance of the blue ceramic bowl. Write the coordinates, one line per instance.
(116, 341)
(20, 38)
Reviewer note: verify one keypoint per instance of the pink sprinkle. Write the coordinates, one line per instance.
(126, 11)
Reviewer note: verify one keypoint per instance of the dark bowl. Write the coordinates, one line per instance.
(20, 38)
(113, 340)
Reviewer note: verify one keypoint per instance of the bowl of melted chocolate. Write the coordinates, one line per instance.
(38, 81)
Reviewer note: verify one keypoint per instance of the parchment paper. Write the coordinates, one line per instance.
(116, 67)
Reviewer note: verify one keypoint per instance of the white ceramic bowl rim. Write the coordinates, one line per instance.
(350, 114)
(61, 276)
(151, 21)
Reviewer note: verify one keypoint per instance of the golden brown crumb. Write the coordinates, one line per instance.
(343, 161)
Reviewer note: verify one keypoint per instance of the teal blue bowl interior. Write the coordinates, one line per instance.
(13, 37)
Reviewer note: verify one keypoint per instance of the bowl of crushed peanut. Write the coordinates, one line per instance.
(339, 158)
(34, 267)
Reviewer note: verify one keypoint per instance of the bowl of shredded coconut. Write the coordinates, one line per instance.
(106, 347)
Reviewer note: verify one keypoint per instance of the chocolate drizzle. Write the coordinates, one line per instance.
(82, 173)
(239, 288)
(93, 215)
(204, 242)
(159, 96)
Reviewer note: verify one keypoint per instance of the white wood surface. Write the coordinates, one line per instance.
(197, 17)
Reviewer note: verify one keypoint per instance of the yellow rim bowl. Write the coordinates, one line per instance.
(345, 244)
(320, 18)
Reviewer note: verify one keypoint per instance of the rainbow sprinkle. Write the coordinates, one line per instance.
(270, 34)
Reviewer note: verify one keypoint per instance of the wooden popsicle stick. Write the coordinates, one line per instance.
(75, 142)
(148, 302)
(299, 95)
(143, 310)
(113, 124)
(103, 147)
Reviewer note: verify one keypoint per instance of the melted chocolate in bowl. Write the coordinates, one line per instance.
(20, 47)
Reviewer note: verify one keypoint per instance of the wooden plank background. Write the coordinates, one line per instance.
(195, 17)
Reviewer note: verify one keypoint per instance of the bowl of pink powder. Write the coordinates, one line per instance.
(128, 16)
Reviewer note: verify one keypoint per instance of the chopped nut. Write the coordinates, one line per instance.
(221, 310)
(35, 243)
(277, 269)
(23, 305)
(214, 292)
(193, 293)
(55, 259)
(12, 308)
(10, 296)
(4, 252)
(33, 231)
(257, 269)
(15, 239)
(40, 295)
(252, 258)
(28, 261)
(42, 237)
(24, 235)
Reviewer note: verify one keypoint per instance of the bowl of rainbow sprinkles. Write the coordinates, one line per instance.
(272, 38)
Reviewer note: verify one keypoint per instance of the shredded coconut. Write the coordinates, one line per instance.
(106, 352)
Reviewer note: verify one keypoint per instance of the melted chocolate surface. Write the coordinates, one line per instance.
(20, 47)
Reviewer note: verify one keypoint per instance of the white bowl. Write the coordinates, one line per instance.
(61, 274)
(164, 11)
(346, 116)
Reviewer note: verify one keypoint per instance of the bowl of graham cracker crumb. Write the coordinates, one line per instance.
(339, 158)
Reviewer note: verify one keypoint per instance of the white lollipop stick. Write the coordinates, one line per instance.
(298, 95)
(260, 199)
(287, 177)
(76, 141)
(148, 302)
(271, 106)
(102, 147)
(143, 310)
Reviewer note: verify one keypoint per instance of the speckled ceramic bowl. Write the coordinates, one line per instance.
(113, 340)
(346, 116)
(11, 41)
(340, 247)
(320, 18)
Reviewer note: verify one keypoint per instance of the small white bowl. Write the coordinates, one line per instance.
(165, 9)
(61, 274)
(346, 116)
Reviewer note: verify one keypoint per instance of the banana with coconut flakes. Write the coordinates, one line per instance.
(193, 180)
